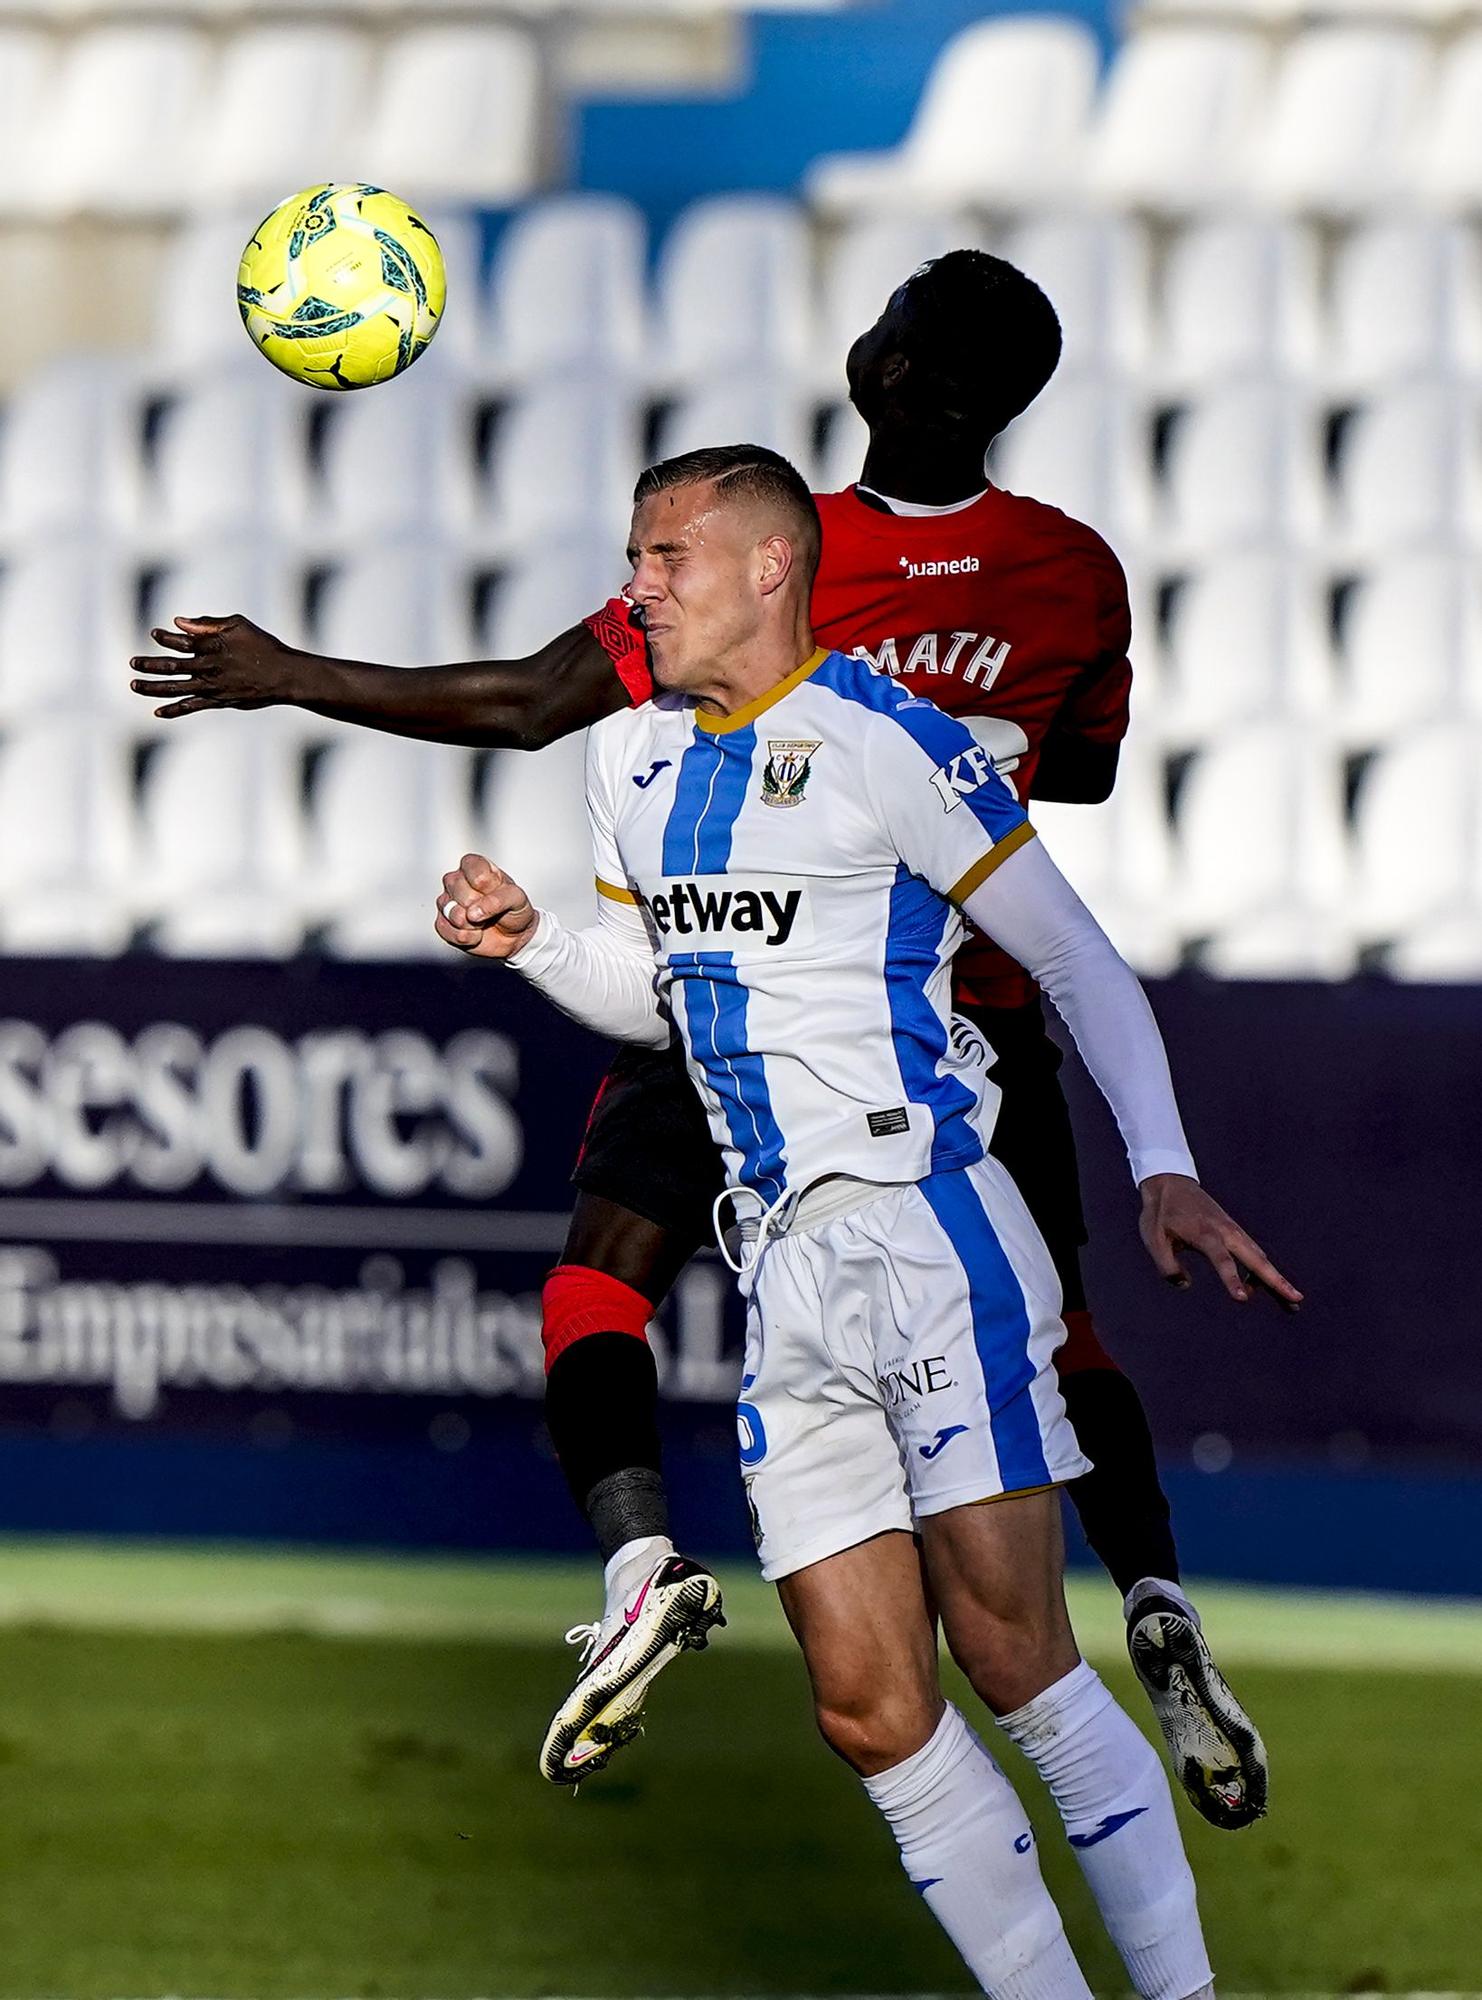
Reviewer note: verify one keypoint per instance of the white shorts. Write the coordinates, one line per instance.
(899, 1361)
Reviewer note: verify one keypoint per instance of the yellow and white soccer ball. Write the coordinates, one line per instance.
(342, 286)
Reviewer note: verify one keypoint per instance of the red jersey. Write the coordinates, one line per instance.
(1008, 612)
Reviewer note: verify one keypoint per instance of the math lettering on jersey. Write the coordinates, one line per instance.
(976, 658)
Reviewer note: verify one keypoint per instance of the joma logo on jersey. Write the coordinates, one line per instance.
(735, 911)
(786, 772)
(960, 566)
(958, 780)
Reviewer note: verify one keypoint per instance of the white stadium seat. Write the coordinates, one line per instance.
(1245, 643)
(220, 846)
(1448, 159)
(197, 327)
(1418, 845)
(1179, 118)
(735, 289)
(1243, 470)
(1080, 448)
(397, 461)
(386, 818)
(456, 116)
(565, 458)
(1401, 293)
(64, 631)
(1119, 859)
(1240, 296)
(871, 258)
(64, 792)
(741, 410)
(132, 106)
(1408, 471)
(534, 825)
(228, 458)
(1412, 647)
(28, 72)
(214, 578)
(406, 603)
(1263, 862)
(69, 446)
(569, 291)
(1347, 111)
(547, 593)
(1095, 271)
(1002, 123)
(285, 114)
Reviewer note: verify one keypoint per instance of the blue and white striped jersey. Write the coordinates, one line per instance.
(798, 864)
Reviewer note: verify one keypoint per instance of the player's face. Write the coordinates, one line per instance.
(695, 575)
(875, 365)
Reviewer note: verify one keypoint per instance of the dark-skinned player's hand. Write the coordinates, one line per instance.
(1178, 1215)
(216, 663)
(482, 911)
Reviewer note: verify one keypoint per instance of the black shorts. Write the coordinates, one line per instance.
(648, 1146)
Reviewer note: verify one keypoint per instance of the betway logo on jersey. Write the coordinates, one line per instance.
(959, 566)
(732, 912)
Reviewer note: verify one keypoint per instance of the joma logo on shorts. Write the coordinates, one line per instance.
(737, 910)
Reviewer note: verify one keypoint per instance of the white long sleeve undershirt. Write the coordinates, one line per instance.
(603, 976)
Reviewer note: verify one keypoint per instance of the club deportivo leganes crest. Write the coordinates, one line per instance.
(787, 771)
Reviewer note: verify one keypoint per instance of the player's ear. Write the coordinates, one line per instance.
(774, 563)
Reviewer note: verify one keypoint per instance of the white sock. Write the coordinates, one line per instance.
(1156, 1586)
(968, 1848)
(624, 1571)
(1108, 1783)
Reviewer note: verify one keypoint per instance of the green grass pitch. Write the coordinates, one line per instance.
(267, 1776)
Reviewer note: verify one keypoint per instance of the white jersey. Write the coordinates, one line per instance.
(798, 863)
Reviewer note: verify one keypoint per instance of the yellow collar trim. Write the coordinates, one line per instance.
(721, 725)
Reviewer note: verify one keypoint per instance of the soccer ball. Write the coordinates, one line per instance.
(342, 286)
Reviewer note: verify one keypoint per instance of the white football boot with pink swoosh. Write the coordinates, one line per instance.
(671, 1612)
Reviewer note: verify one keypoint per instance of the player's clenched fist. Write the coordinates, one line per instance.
(482, 911)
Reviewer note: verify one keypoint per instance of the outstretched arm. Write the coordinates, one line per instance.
(588, 672)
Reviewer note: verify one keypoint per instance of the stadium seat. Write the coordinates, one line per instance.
(28, 71)
(737, 409)
(569, 291)
(197, 326)
(397, 461)
(1347, 109)
(1408, 472)
(534, 825)
(228, 458)
(64, 792)
(1243, 469)
(69, 446)
(734, 290)
(1411, 647)
(386, 818)
(1001, 125)
(548, 593)
(132, 107)
(234, 573)
(456, 115)
(1448, 160)
(1240, 296)
(1260, 886)
(220, 846)
(405, 602)
(1178, 120)
(870, 257)
(1081, 448)
(565, 457)
(1118, 858)
(64, 631)
(1096, 273)
(1418, 849)
(286, 107)
(1407, 298)
(1245, 643)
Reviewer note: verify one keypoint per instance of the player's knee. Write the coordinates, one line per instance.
(874, 1732)
(576, 1301)
(1012, 1655)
